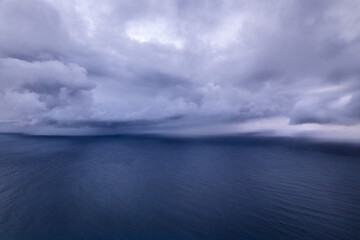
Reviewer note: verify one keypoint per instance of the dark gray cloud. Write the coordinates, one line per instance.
(139, 65)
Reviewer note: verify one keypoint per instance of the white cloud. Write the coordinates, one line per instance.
(153, 31)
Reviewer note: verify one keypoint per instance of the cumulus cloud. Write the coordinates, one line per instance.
(35, 91)
(134, 66)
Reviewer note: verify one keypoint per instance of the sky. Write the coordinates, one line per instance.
(87, 67)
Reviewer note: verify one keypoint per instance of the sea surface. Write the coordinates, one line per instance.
(143, 187)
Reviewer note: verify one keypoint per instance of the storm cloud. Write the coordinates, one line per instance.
(90, 67)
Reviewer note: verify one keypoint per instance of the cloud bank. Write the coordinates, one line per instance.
(90, 67)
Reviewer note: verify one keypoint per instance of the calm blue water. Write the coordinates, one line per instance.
(159, 188)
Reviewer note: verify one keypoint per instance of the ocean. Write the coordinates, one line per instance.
(155, 187)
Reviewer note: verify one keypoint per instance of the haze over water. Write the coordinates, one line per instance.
(167, 188)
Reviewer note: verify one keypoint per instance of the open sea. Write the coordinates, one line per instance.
(143, 187)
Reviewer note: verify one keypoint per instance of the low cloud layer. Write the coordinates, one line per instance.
(90, 67)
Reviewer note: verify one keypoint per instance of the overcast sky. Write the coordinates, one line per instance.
(184, 66)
